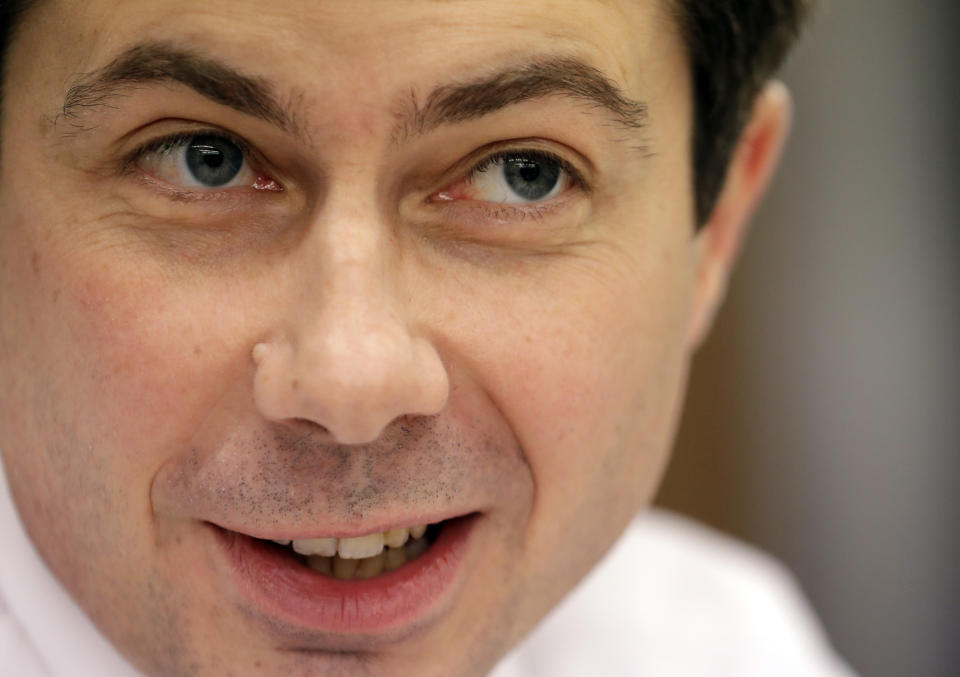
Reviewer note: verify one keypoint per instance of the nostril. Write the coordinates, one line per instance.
(348, 381)
(308, 427)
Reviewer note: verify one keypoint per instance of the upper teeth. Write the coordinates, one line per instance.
(357, 547)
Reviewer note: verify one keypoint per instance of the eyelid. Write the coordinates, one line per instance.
(483, 218)
(169, 142)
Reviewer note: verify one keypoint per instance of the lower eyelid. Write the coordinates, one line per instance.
(482, 212)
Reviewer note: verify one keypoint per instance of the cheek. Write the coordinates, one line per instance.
(591, 387)
(600, 401)
(104, 360)
(585, 362)
(106, 374)
(56, 398)
(127, 359)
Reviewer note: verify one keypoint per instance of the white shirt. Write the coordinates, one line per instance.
(675, 598)
(672, 599)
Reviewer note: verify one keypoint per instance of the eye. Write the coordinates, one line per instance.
(198, 161)
(519, 177)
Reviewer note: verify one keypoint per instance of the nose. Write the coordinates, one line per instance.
(348, 359)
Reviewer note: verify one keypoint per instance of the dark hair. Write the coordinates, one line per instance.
(734, 47)
(10, 12)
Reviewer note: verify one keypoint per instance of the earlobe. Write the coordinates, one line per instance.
(752, 166)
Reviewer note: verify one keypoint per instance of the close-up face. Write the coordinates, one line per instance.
(324, 270)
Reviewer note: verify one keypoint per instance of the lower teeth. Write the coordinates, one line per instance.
(368, 567)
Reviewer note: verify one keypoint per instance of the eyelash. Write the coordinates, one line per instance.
(167, 143)
(534, 154)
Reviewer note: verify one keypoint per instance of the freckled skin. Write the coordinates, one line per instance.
(536, 385)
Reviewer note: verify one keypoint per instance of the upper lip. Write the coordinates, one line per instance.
(300, 532)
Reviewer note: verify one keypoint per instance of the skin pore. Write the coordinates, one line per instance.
(357, 332)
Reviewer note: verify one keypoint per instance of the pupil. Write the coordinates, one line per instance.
(211, 156)
(529, 172)
(213, 161)
(531, 179)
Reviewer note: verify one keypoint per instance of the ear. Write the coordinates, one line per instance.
(753, 164)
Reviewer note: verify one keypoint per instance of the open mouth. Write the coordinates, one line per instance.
(361, 557)
(369, 584)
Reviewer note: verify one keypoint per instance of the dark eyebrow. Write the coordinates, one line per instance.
(160, 62)
(548, 76)
(449, 104)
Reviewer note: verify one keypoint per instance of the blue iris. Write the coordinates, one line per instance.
(531, 178)
(213, 161)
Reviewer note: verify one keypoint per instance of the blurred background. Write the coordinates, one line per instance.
(823, 422)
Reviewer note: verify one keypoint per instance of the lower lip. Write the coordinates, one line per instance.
(290, 592)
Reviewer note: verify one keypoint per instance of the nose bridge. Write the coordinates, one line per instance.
(350, 315)
(346, 267)
(351, 359)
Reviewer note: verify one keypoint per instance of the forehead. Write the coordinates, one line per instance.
(365, 45)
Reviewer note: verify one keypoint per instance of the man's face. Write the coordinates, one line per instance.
(434, 267)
